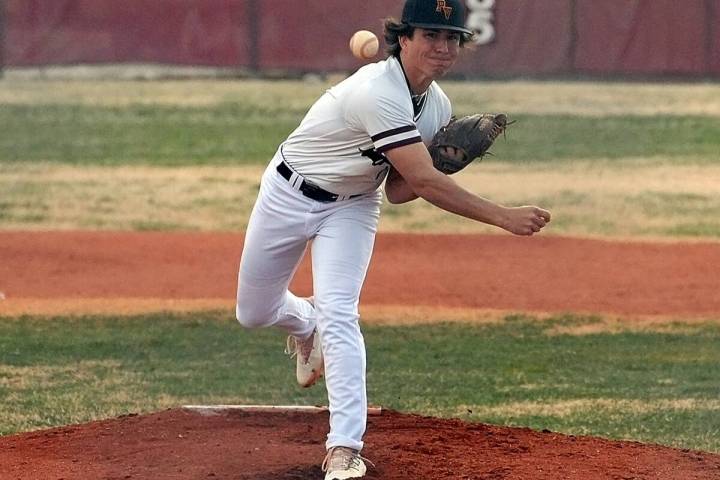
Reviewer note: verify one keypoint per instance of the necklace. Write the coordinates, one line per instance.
(417, 100)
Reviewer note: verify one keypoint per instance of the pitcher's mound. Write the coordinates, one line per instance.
(181, 444)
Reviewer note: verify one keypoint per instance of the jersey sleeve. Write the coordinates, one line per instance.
(387, 121)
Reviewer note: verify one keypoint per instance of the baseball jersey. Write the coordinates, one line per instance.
(340, 143)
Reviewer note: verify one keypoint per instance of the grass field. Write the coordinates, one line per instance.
(657, 384)
(239, 134)
(178, 123)
(611, 160)
(614, 160)
(637, 198)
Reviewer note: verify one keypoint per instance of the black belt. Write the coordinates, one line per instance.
(308, 189)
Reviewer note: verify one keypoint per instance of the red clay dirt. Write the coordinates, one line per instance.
(539, 274)
(179, 444)
(547, 274)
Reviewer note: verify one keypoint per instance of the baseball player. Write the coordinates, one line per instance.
(321, 191)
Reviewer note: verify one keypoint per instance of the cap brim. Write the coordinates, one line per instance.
(440, 26)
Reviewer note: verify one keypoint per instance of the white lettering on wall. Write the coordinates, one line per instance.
(481, 19)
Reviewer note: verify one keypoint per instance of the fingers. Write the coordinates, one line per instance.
(527, 230)
(526, 220)
(540, 218)
(538, 221)
(543, 213)
(535, 220)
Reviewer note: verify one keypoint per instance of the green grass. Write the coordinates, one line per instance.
(142, 135)
(656, 385)
(543, 137)
(609, 160)
(240, 133)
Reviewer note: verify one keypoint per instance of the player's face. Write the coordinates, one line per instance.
(431, 51)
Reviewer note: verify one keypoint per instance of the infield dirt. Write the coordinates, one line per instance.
(491, 272)
(79, 271)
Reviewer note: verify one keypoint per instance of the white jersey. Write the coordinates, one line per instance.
(339, 145)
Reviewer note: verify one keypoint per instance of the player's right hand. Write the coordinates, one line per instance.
(526, 220)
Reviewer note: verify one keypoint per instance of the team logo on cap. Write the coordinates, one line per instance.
(443, 7)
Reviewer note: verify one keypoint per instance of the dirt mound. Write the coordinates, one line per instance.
(180, 444)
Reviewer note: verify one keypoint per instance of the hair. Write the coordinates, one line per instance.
(394, 29)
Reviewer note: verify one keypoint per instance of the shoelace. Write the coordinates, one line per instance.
(348, 458)
(295, 346)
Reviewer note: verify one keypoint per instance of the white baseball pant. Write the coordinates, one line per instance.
(342, 234)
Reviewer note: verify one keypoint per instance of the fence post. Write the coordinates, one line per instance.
(572, 47)
(710, 18)
(253, 11)
(3, 26)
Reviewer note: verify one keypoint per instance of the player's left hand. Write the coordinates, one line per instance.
(464, 139)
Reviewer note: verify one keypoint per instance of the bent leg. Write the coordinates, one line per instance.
(275, 242)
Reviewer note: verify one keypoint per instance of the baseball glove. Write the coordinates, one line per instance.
(463, 140)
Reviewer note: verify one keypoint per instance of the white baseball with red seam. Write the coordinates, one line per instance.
(364, 44)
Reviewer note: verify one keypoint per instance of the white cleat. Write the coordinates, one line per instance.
(309, 357)
(342, 462)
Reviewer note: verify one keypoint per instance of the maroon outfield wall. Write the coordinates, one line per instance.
(649, 36)
(519, 37)
(182, 32)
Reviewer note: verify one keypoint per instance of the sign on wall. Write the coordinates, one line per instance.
(481, 19)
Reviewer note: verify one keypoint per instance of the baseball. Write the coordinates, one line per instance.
(364, 44)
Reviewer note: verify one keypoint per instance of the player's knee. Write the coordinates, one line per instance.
(250, 316)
